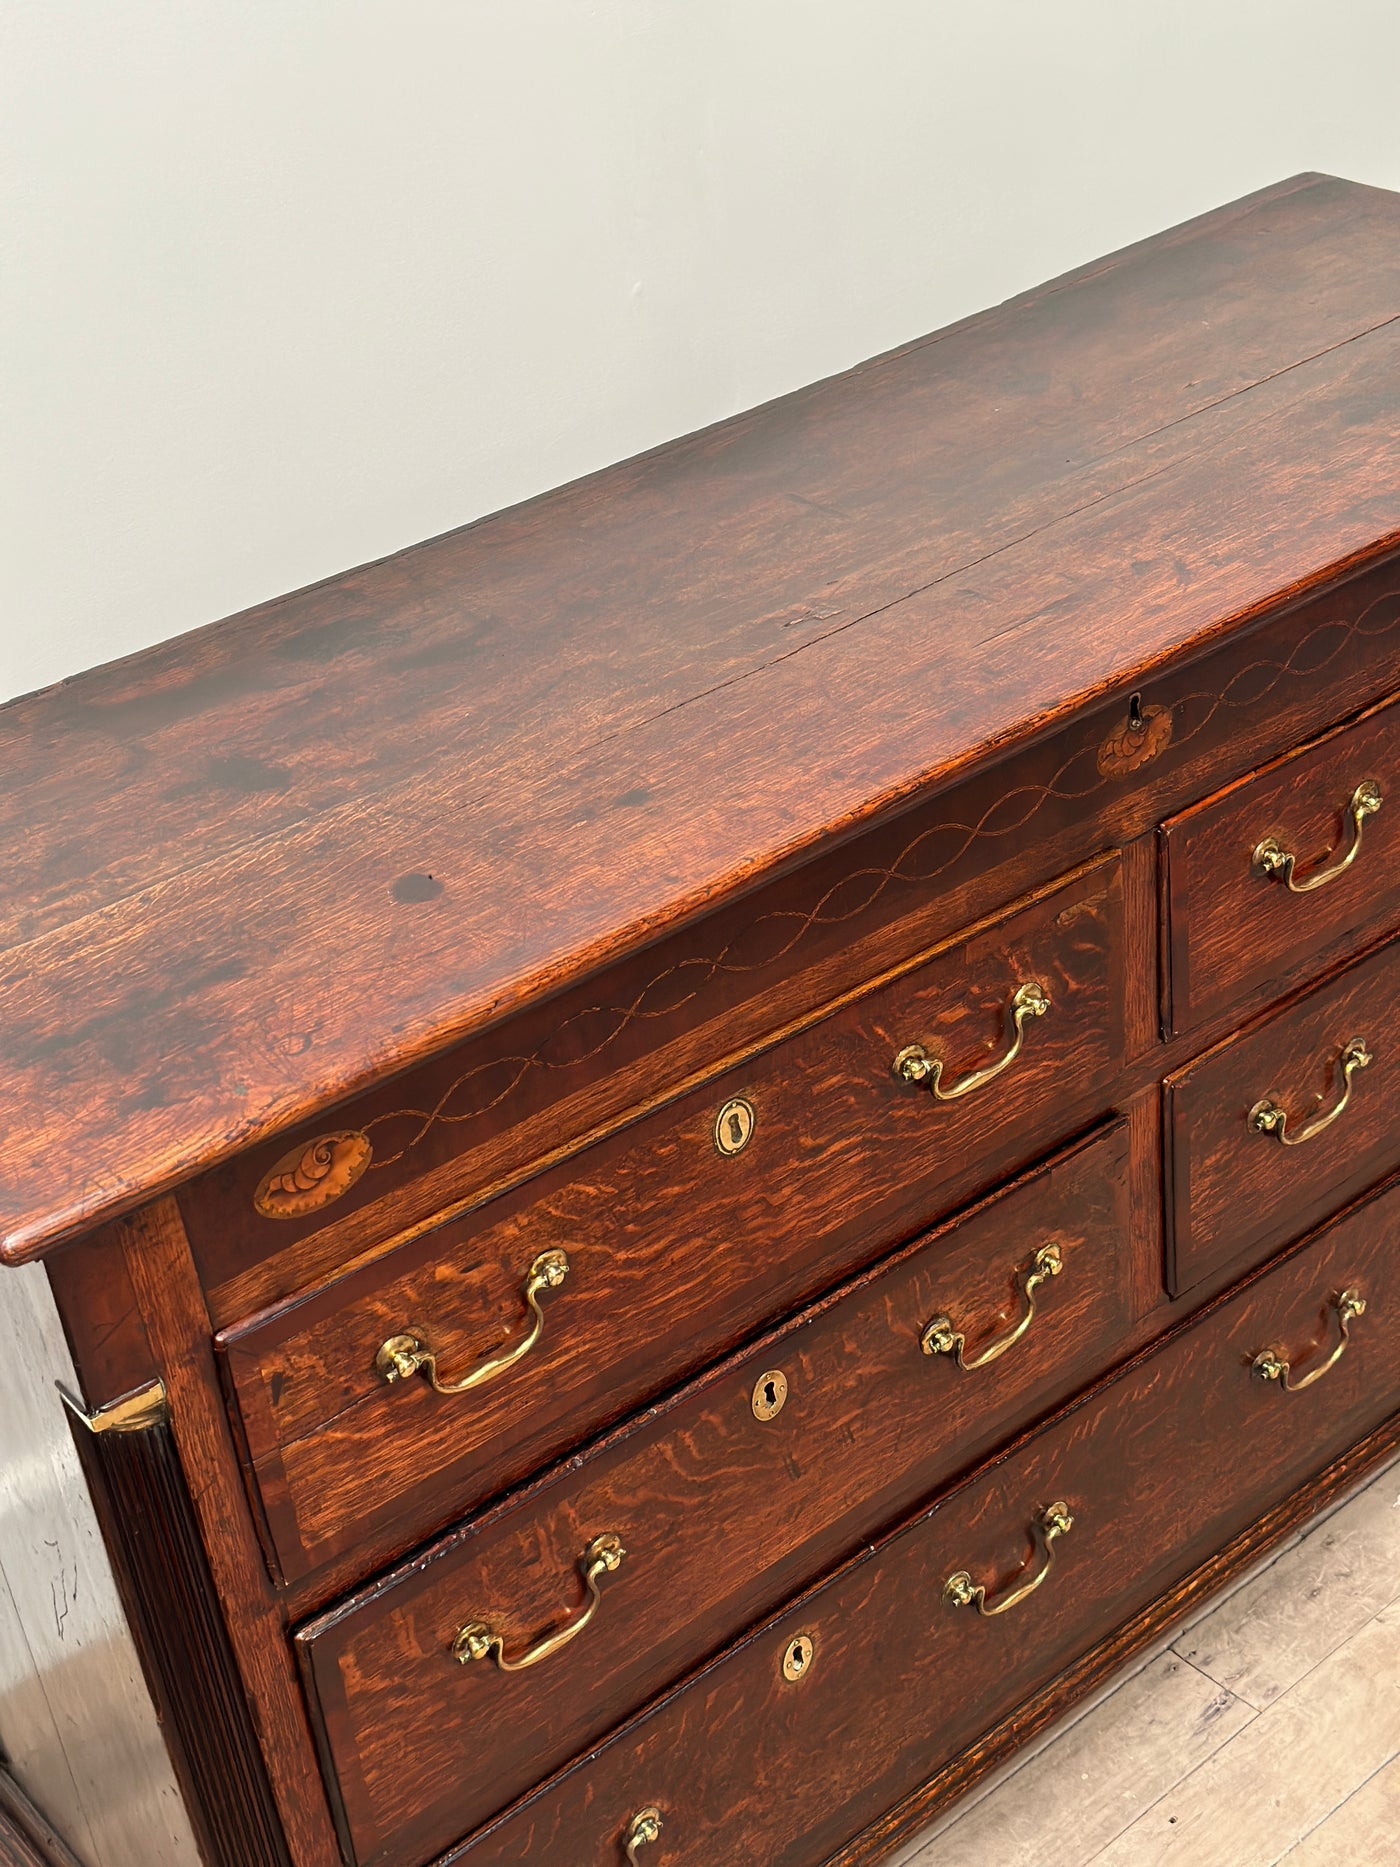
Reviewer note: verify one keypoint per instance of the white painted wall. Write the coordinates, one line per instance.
(287, 284)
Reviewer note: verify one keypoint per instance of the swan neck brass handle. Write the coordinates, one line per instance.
(477, 1640)
(1266, 1117)
(644, 1828)
(403, 1356)
(1272, 860)
(1051, 1523)
(914, 1064)
(1269, 1365)
(941, 1338)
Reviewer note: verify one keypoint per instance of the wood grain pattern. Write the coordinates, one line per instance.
(26, 1838)
(17, 1849)
(1144, 1116)
(660, 1233)
(707, 994)
(1286, 1772)
(722, 1515)
(1142, 1029)
(1363, 1829)
(1270, 1636)
(1161, 1466)
(162, 1275)
(931, 542)
(101, 1317)
(515, 856)
(906, 1820)
(1237, 936)
(1236, 1194)
(166, 1585)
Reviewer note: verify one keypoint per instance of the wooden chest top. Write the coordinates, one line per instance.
(255, 869)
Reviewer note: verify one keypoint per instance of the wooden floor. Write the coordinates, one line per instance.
(1267, 1731)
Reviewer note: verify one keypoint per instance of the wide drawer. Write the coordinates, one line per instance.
(726, 1500)
(1281, 1124)
(681, 1234)
(1244, 922)
(749, 1766)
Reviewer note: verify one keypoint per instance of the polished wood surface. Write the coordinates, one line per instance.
(1236, 935)
(1263, 1730)
(1237, 1193)
(163, 1571)
(722, 1514)
(279, 860)
(1125, 1643)
(537, 1087)
(162, 1274)
(575, 885)
(844, 1159)
(1158, 1468)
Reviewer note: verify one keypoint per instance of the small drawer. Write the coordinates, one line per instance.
(1284, 1122)
(679, 1235)
(1296, 864)
(799, 1737)
(726, 1500)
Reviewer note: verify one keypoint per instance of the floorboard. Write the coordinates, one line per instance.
(1267, 1732)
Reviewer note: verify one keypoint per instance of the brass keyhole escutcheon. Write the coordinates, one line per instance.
(770, 1394)
(798, 1655)
(734, 1126)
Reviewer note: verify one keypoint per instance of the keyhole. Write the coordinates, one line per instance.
(734, 1126)
(769, 1395)
(1136, 723)
(797, 1657)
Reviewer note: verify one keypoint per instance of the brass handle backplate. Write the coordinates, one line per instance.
(408, 1354)
(914, 1064)
(478, 1641)
(941, 1338)
(1266, 1117)
(644, 1828)
(1269, 1365)
(1052, 1522)
(1271, 859)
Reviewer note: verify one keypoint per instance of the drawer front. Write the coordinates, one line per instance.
(676, 1249)
(749, 1767)
(1244, 923)
(1281, 1124)
(559, 1069)
(726, 1501)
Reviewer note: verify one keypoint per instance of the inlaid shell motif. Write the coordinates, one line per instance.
(313, 1175)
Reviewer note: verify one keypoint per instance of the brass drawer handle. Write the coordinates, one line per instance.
(476, 1641)
(1267, 1117)
(1269, 1365)
(644, 1827)
(941, 1338)
(405, 1355)
(1275, 862)
(960, 1589)
(915, 1065)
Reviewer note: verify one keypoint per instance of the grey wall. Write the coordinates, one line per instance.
(287, 284)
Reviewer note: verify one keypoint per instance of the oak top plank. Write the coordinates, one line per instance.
(601, 711)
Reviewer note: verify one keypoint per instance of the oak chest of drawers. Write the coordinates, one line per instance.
(694, 1153)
